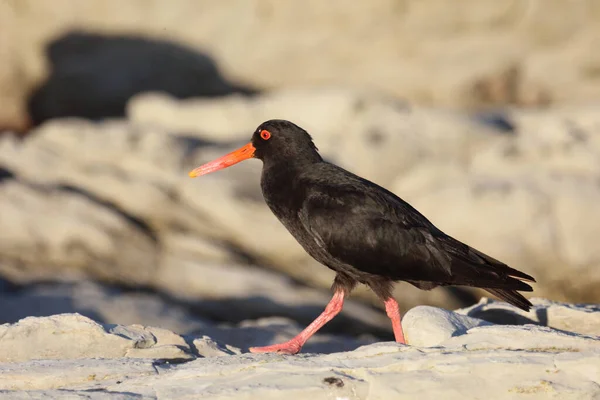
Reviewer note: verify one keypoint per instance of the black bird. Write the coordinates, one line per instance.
(360, 230)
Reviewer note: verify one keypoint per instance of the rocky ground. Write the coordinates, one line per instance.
(552, 351)
(121, 277)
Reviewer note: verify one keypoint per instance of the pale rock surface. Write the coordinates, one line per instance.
(206, 347)
(550, 322)
(430, 326)
(464, 358)
(73, 336)
(581, 318)
(536, 338)
(62, 374)
(67, 395)
(485, 360)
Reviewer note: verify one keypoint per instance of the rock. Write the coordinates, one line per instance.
(85, 237)
(528, 337)
(73, 336)
(72, 395)
(206, 347)
(41, 375)
(93, 76)
(583, 319)
(501, 360)
(430, 326)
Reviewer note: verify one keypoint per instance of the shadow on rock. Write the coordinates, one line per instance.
(567, 318)
(93, 76)
(5, 174)
(237, 310)
(269, 331)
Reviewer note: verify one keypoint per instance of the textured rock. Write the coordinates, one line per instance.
(54, 374)
(430, 326)
(206, 347)
(583, 318)
(66, 232)
(72, 336)
(492, 362)
(93, 76)
(377, 371)
(463, 357)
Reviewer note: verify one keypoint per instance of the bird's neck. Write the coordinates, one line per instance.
(292, 161)
(281, 188)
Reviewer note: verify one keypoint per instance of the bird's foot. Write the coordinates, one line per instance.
(289, 347)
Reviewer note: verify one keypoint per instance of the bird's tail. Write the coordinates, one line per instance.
(473, 268)
(512, 297)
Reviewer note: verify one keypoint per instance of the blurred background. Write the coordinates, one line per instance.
(483, 114)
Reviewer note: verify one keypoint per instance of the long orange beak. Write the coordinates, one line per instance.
(227, 160)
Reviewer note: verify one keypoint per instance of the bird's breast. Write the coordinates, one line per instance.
(281, 193)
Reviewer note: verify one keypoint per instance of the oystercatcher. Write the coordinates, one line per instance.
(363, 232)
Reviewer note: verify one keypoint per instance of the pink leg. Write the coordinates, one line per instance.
(393, 312)
(294, 345)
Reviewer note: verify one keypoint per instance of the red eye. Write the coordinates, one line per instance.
(266, 135)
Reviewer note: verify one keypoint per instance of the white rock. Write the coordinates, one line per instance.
(475, 359)
(581, 318)
(430, 326)
(82, 373)
(72, 336)
(529, 337)
(207, 347)
(398, 372)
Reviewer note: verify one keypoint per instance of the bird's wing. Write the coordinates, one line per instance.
(374, 232)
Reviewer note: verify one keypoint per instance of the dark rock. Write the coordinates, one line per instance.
(93, 75)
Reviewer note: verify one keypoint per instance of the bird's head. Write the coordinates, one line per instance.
(274, 141)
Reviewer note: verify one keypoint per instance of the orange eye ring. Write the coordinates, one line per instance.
(265, 135)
